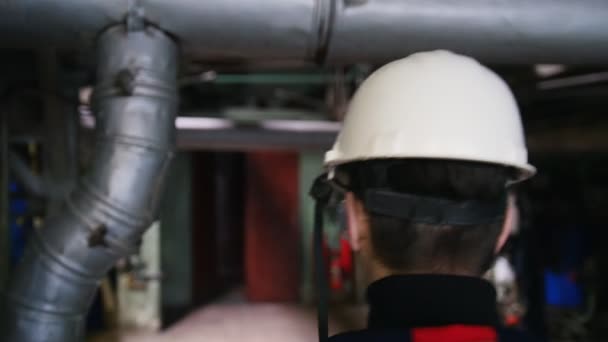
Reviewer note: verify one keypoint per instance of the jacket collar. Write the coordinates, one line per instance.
(406, 301)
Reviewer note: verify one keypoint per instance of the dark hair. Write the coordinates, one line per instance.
(401, 245)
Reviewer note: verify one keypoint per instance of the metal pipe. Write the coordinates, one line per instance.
(573, 81)
(331, 31)
(496, 31)
(60, 147)
(238, 31)
(199, 133)
(4, 197)
(105, 217)
(64, 24)
(34, 184)
(253, 139)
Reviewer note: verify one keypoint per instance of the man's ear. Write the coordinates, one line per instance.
(354, 215)
(510, 224)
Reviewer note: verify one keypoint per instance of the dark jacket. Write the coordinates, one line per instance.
(432, 308)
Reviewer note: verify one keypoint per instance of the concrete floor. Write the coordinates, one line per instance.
(228, 322)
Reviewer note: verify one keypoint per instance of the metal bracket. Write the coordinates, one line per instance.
(135, 19)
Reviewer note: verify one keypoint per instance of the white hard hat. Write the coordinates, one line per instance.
(437, 105)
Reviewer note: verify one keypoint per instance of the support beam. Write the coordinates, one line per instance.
(252, 139)
(176, 235)
(4, 228)
(59, 148)
(310, 165)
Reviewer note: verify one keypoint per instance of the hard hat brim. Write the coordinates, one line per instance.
(524, 170)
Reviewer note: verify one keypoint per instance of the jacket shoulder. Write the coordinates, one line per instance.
(504, 335)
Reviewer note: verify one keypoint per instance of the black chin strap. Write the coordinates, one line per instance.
(322, 291)
(321, 192)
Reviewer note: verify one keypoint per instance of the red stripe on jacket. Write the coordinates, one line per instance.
(455, 333)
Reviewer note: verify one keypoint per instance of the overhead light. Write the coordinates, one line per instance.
(301, 125)
(200, 123)
(549, 70)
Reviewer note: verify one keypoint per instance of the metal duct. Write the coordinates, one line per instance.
(497, 31)
(209, 29)
(331, 31)
(105, 217)
(242, 30)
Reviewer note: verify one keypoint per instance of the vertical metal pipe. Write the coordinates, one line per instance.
(4, 229)
(105, 217)
(310, 164)
(59, 148)
(176, 216)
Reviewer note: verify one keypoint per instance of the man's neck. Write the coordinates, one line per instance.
(377, 271)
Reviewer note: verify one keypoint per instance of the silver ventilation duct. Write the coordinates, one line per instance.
(105, 217)
(330, 31)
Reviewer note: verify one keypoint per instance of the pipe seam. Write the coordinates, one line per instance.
(128, 141)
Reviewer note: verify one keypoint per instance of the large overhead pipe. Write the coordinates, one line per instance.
(331, 31)
(496, 31)
(105, 217)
